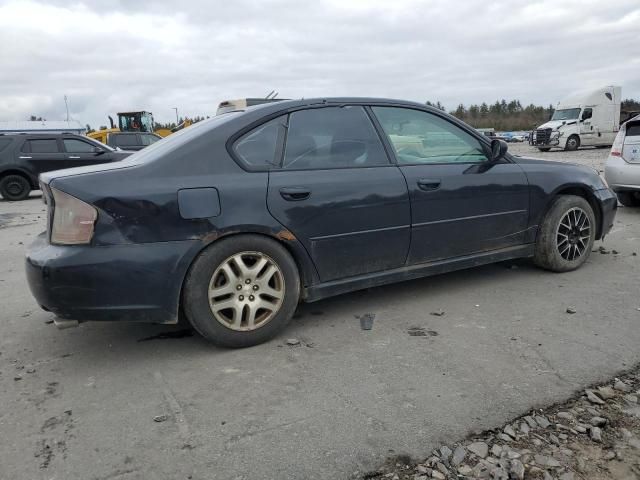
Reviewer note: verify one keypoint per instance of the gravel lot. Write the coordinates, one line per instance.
(123, 401)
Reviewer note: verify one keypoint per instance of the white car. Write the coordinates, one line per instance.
(622, 170)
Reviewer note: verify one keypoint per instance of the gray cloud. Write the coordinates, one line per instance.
(110, 56)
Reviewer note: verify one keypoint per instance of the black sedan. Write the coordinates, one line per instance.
(235, 220)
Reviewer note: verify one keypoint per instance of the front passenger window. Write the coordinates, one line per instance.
(420, 137)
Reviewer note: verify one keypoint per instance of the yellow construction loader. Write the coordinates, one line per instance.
(134, 122)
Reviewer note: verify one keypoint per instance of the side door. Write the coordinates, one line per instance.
(339, 194)
(42, 154)
(586, 127)
(461, 203)
(80, 152)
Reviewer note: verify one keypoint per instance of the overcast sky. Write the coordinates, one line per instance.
(117, 55)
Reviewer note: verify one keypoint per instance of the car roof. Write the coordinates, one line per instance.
(305, 102)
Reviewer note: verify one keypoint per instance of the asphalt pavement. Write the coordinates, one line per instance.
(127, 401)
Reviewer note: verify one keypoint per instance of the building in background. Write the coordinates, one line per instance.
(43, 126)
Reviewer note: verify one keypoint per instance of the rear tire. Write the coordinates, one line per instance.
(573, 142)
(566, 235)
(14, 187)
(629, 199)
(241, 291)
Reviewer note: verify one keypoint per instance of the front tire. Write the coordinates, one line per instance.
(566, 235)
(14, 187)
(544, 149)
(241, 291)
(629, 199)
(573, 142)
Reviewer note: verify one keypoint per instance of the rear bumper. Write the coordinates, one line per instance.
(137, 282)
(608, 206)
(621, 175)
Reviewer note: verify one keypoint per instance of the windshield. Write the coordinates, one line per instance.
(566, 114)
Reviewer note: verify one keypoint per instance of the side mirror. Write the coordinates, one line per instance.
(97, 150)
(498, 149)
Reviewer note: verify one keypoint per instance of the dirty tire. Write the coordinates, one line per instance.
(547, 253)
(573, 142)
(544, 149)
(629, 199)
(14, 187)
(196, 290)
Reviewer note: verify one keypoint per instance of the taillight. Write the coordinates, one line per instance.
(618, 143)
(73, 219)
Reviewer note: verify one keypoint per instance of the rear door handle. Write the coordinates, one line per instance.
(71, 156)
(295, 194)
(21, 156)
(428, 184)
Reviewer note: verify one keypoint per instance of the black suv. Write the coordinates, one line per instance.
(24, 156)
(132, 140)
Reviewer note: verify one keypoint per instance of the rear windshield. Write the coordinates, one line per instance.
(4, 143)
(176, 140)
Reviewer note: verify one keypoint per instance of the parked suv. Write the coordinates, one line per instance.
(622, 170)
(132, 140)
(24, 156)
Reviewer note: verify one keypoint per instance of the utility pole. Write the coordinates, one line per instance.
(176, 109)
(66, 104)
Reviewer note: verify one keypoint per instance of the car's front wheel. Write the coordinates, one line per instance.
(241, 291)
(629, 199)
(566, 235)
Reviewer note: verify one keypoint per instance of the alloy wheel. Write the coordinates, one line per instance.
(246, 291)
(573, 233)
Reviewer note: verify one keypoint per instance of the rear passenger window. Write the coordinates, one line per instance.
(633, 130)
(44, 145)
(259, 146)
(332, 137)
(4, 143)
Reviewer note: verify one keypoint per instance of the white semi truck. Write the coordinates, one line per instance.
(585, 119)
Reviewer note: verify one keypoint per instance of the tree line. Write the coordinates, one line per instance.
(511, 115)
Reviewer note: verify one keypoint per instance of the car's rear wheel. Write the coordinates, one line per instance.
(566, 235)
(14, 187)
(573, 142)
(241, 291)
(629, 199)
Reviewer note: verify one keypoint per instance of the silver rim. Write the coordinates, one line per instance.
(573, 234)
(246, 291)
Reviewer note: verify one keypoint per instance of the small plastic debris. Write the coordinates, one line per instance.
(366, 321)
(160, 418)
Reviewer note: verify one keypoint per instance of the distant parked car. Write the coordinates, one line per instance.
(622, 169)
(132, 141)
(24, 156)
(236, 219)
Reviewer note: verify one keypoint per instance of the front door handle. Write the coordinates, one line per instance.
(429, 184)
(22, 156)
(295, 194)
(74, 157)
